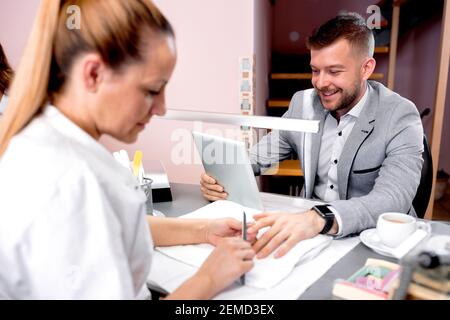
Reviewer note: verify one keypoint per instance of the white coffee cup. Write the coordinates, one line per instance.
(393, 227)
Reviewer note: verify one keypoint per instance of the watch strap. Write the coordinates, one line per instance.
(327, 215)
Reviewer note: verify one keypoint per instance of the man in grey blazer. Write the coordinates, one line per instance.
(366, 158)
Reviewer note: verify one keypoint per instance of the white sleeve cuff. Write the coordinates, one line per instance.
(338, 218)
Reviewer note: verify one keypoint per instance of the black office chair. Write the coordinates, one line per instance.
(420, 202)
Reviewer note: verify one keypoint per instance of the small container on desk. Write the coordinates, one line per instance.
(146, 186)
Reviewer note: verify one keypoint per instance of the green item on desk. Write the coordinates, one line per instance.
(376, 271)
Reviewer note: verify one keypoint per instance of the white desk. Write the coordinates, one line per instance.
(187, 198)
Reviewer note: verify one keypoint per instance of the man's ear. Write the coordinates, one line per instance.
(93, 69)
(368, 68)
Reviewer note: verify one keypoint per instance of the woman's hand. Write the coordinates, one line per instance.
(211, 190)
(230, 259)
(286, 230)
(217, 229)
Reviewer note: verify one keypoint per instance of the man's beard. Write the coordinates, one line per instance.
(347, 98)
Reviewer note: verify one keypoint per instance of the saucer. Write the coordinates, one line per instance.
(371, 239)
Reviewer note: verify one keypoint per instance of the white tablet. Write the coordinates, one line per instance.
(227, 161)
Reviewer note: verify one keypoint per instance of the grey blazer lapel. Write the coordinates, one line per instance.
(362, 129)
(312, 146)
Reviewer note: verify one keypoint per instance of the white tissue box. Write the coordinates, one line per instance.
(155, 170)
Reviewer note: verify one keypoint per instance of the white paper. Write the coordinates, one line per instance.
(160, 180)
(300, 279)
(282, 203)
(169, 274)
(262, 275)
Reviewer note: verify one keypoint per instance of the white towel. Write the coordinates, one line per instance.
(267, 272)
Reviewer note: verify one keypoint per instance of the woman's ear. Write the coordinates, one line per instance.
(368, 68)
(93, 69)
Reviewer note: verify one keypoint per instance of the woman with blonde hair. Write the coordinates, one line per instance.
(73, 222)
(6, 74)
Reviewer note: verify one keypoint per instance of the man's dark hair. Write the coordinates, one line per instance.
(6, 72)
(350, 26)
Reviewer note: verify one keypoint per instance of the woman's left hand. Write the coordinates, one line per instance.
(217, 229)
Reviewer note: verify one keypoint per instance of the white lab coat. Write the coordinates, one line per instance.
(72, 220)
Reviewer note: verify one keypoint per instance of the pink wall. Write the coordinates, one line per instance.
(16, 19)
(416, 70)
(211, 36)
(263, 47)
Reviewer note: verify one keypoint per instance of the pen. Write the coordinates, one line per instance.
(244, 237)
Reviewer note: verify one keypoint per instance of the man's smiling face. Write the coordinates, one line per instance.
(337, 75)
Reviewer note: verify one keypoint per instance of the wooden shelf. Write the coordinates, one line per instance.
(291, 76)
(381, 49)
(278, 104)
(308, 76)
(377, 76)
(289, 168)
(384, 23)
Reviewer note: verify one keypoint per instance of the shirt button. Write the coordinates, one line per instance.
(335, 161)
(340, 133)
(331, 187)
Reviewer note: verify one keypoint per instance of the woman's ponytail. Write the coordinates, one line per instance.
(115, 29)
(28, 92)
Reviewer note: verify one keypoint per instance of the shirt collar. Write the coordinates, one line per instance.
(64, 125)
(356, 110)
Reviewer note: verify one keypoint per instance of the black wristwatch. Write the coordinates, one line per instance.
(327, 215)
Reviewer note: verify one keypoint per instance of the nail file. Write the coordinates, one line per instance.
(137, 162)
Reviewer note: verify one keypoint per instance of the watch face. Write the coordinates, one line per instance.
(324, 209)
(327, 215)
